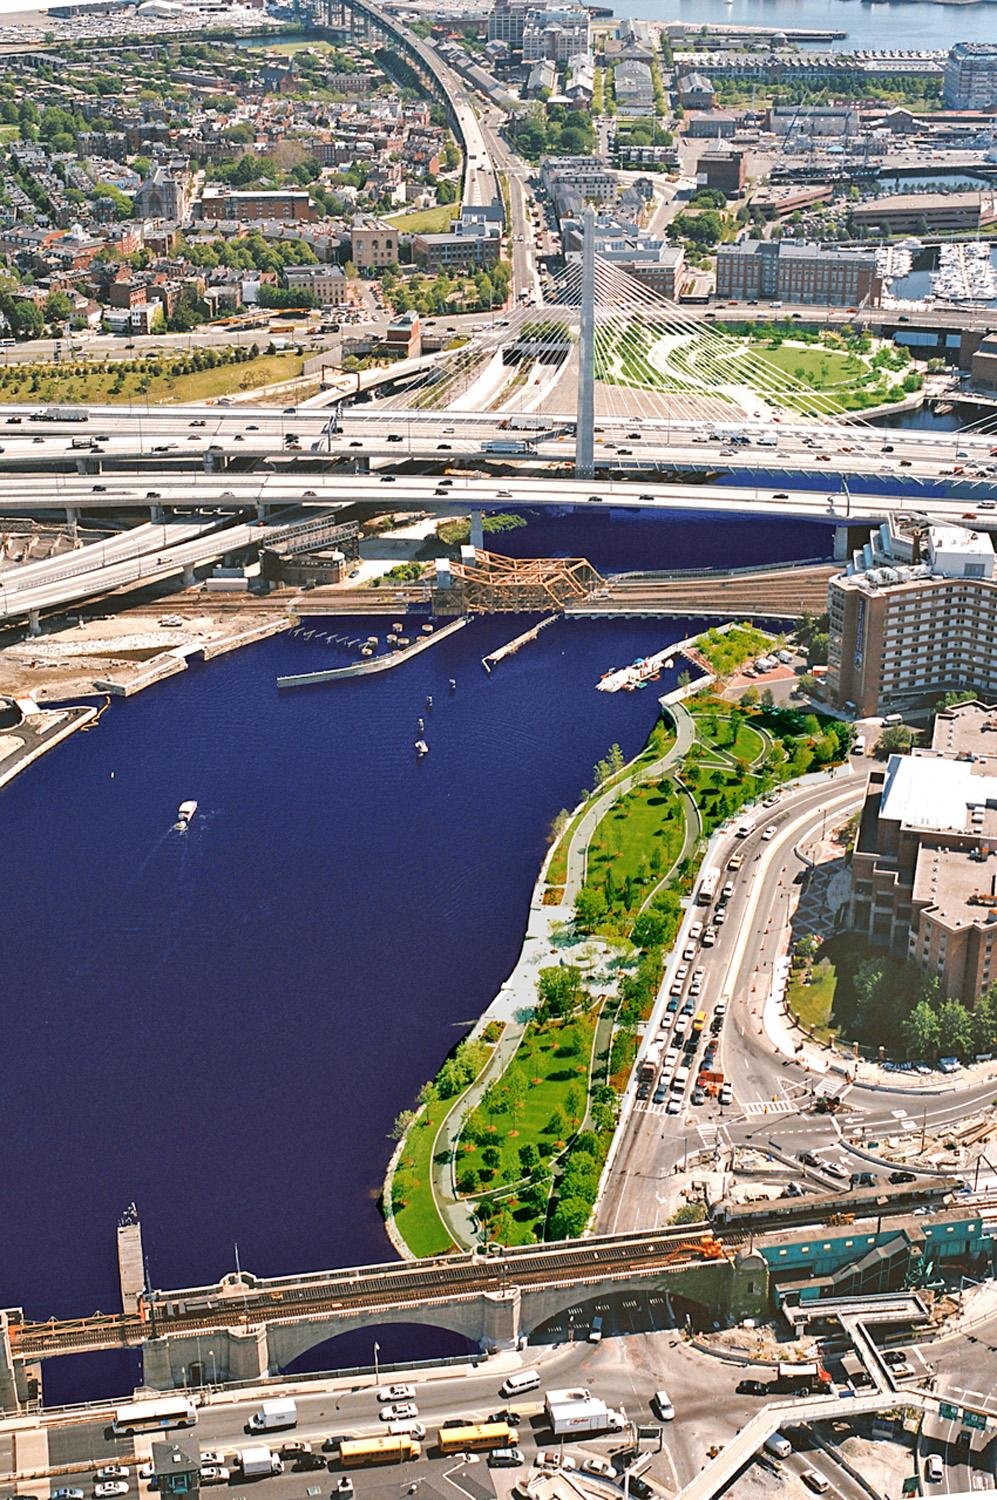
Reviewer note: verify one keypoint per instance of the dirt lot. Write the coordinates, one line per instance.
(72, 651)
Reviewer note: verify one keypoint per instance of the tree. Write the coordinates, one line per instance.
(985, 1021)
(921, 1031)
(559, 989)
(590, 907)
(58, 307)
(401, 1124)
(956, 1028)
(569, 1218)
(492, 1157)
(896, 739)
(529, 1159)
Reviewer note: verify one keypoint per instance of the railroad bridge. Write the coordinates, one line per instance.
(257, 1325)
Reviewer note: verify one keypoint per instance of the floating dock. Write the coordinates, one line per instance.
(374, 663)
(131, 1261)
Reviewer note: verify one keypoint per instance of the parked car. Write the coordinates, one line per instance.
(752, 1388)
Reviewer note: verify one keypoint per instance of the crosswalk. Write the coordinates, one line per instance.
(758, 1107)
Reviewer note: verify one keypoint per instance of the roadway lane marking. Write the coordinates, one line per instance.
(769, 1107)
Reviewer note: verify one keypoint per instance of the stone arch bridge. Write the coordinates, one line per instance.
(258, 1326)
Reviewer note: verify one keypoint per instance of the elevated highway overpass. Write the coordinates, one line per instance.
(175, 551)
(215, 437)
(22, 495)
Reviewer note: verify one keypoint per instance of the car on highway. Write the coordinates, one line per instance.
(67, 1492)
(219, 1474)
(815, 1481)
(510, 1418)
(698, 1097)
(752, 1388)
(897, 1177)
(672, 1005)
(212, 1456)
(660, 1094)
(110, 1488)
(398, 1411)
(112, 1471)
(689, 951)
(934, 1469)
(710, 933)
(833, 1169)
(309, 1462)
(769, 833)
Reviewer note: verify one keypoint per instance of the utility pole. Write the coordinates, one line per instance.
(585, 413)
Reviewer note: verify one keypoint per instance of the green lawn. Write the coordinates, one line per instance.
(426, 220)
(659, 743)
(638, 841)
(726, 650)
(814, 1002)
(83, 385)
(540, 1100)
(10, 132)
(416, 1215)
(414, 1207)
(831, 367)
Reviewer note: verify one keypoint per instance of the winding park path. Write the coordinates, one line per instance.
(516, 1000)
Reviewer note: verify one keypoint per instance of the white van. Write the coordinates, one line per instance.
(778, 1445)
(415, 1430)
(523, 1380)
(680, 1080)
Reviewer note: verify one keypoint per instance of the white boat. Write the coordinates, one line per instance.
(185, 812)
(421, 748)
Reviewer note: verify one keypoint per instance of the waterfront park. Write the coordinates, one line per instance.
(507, 1143)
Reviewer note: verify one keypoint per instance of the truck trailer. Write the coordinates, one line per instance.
(579, 1411)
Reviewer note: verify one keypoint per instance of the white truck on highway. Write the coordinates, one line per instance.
(580, 1411)
(708, 883)
(258, 1461)
(273, 1415)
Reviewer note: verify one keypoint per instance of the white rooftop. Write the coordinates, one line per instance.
(931, 792)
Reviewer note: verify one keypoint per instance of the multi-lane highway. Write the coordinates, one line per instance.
(965, 462)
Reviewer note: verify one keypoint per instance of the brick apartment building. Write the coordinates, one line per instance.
(924, 868)
(798, 271)
(248, 207)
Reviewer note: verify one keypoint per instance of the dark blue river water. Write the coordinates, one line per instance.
(223, 1024)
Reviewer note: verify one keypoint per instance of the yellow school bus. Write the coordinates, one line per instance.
(473, 1439)
(391, 1449)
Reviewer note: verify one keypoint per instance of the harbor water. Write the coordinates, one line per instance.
(222, 1023)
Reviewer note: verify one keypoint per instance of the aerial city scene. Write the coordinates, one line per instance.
(498, 749)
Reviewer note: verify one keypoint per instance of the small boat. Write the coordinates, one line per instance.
(421, 748)
(185, 813)
(453, 684)
(429, 701)
(422, 725)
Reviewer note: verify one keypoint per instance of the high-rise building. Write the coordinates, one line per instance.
(924, 867)
(798, 271)
(558, 32)
(970, 79)
(505, 24)
(913, 615)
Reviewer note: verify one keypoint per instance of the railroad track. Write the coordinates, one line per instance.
(395, 1286)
